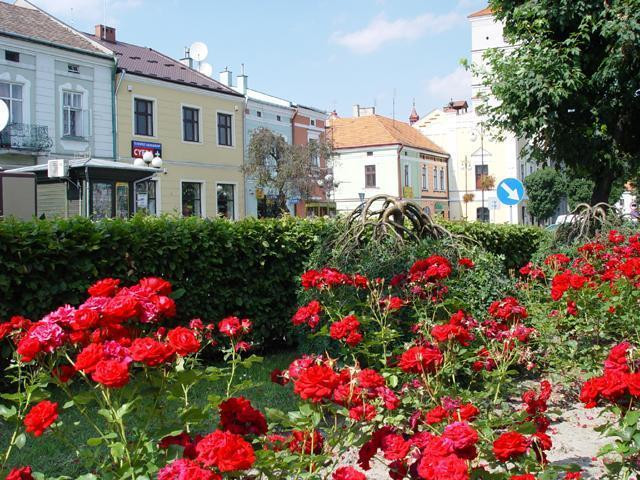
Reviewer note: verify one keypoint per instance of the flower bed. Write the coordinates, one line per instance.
(412, 380)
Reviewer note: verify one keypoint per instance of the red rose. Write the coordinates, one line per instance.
(229, 326)
(156, 284)
(40, 417)
(395, 447)
(510, 445)
(23, 473)
(89, 357)
(316, 383)
(28, 348)
(150, 352)
(305, 442)
(183, 341)
(120, 308)
(226, 451)
(185, 469)
(64, 373)
(449, 467)
(279, 377)
(348, 473)
(466, 262)
(461, 435)
(526, 476)
(369, 378)
(420, 359)
(85, 319)
(107, 287)
(238, 416)
(111, 373)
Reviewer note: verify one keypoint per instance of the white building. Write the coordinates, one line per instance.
(474, 152)
(376, 155)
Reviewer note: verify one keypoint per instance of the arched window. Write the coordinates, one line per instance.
(482, 214)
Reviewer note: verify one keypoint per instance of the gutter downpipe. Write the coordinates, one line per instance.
(116, 154)
(399, 173)
(86, 186)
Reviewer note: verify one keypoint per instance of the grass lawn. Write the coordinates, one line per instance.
(52, 454)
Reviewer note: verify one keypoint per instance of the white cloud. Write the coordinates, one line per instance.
(381, 31)
(455, 85)
(72, 11)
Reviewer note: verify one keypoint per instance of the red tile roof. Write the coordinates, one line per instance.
(482, 13)
(38, 26)
(148, 62)
(376, 130)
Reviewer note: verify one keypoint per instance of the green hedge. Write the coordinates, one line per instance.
(246, 268)
(517, 243)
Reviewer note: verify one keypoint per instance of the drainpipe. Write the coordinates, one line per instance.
(116, 153)
(86, 186)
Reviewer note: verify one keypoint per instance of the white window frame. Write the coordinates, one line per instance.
(233, 129)
(442, 189)
(424, 177)
(235, 196)
(10, 99)
(154, 119)
(200, 125)
(406, 175)
(203, 194)
(65, 132)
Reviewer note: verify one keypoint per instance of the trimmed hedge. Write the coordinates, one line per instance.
(247, 268)
(517, 243)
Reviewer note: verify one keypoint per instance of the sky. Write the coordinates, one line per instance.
(329, 54)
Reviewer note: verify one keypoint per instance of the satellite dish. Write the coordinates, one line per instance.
(198, 51)
(205, 69)
(4, 115)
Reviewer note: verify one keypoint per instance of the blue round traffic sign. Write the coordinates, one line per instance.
(510, 191)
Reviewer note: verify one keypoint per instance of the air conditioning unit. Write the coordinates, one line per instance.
(57, 168)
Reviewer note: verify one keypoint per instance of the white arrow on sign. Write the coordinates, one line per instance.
(511, 193)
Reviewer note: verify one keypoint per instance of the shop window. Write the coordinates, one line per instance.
(191, 199)
(226, 200)
(101, 200)
(146, 200)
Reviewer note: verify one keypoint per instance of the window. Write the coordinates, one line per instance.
(435, 179)
(224, 129)
(71, 68)
(10, 56)
(482, 214)
(191, 199)
(190, 124)
(369, 176)
(522, 171)
(11, 94)
(146, 200)
(442, 188)
(369, 154)
(226, 200)
(481, 172)
(406, 175)
(72, 114)
(278, 117)
(143, 117)
(101, 200)
(425, 185)
(259, 114)
(313, 123)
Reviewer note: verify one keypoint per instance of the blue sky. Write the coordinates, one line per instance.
(324, 53)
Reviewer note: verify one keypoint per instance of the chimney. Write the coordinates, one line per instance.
(105, 33)
(242, 81)
(187, 60)
(226, 78)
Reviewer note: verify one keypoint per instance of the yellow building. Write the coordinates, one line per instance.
(194, 123)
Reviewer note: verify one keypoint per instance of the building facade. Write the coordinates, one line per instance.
(476, 154)
(298, 125)
(58, 87)
(376, 155)
(194, 123)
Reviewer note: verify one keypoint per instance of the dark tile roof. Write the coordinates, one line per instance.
(38, 26)
(148, 62)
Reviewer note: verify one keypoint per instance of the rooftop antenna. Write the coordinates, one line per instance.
(198, 51)
(393, 108)
(104, 12)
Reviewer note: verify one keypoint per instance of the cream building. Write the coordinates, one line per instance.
(475, 153)
(194, 123)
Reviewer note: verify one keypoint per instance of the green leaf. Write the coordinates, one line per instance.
(7, 412)
(21, 440)
(94, 442)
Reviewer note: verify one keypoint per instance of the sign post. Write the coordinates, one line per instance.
(510, 192)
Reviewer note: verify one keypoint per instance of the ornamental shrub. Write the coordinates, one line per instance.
(218, 268)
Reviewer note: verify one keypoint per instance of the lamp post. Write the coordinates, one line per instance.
(466, 165)
(474, 136)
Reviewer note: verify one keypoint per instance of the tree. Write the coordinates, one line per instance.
(287, 170)
(569, 86)
(545, 188)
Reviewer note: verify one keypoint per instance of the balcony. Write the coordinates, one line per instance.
(25, 137)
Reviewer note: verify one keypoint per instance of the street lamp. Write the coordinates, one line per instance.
(474, 137)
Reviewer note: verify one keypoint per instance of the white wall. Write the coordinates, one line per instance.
(348, 171)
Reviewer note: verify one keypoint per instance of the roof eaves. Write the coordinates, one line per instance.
(40, 41)
(178, 82)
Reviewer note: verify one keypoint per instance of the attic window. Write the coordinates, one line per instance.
(182, 68)
(152, 61)
(134, 58)
(71, 68)
(168, 64)
(11, 56)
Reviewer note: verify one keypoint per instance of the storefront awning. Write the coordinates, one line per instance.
(104, 169)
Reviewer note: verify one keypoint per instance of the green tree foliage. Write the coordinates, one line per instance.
(287, 170)
(545, 188)
(569, 86)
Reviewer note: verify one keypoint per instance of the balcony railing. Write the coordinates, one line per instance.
(25, 136)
